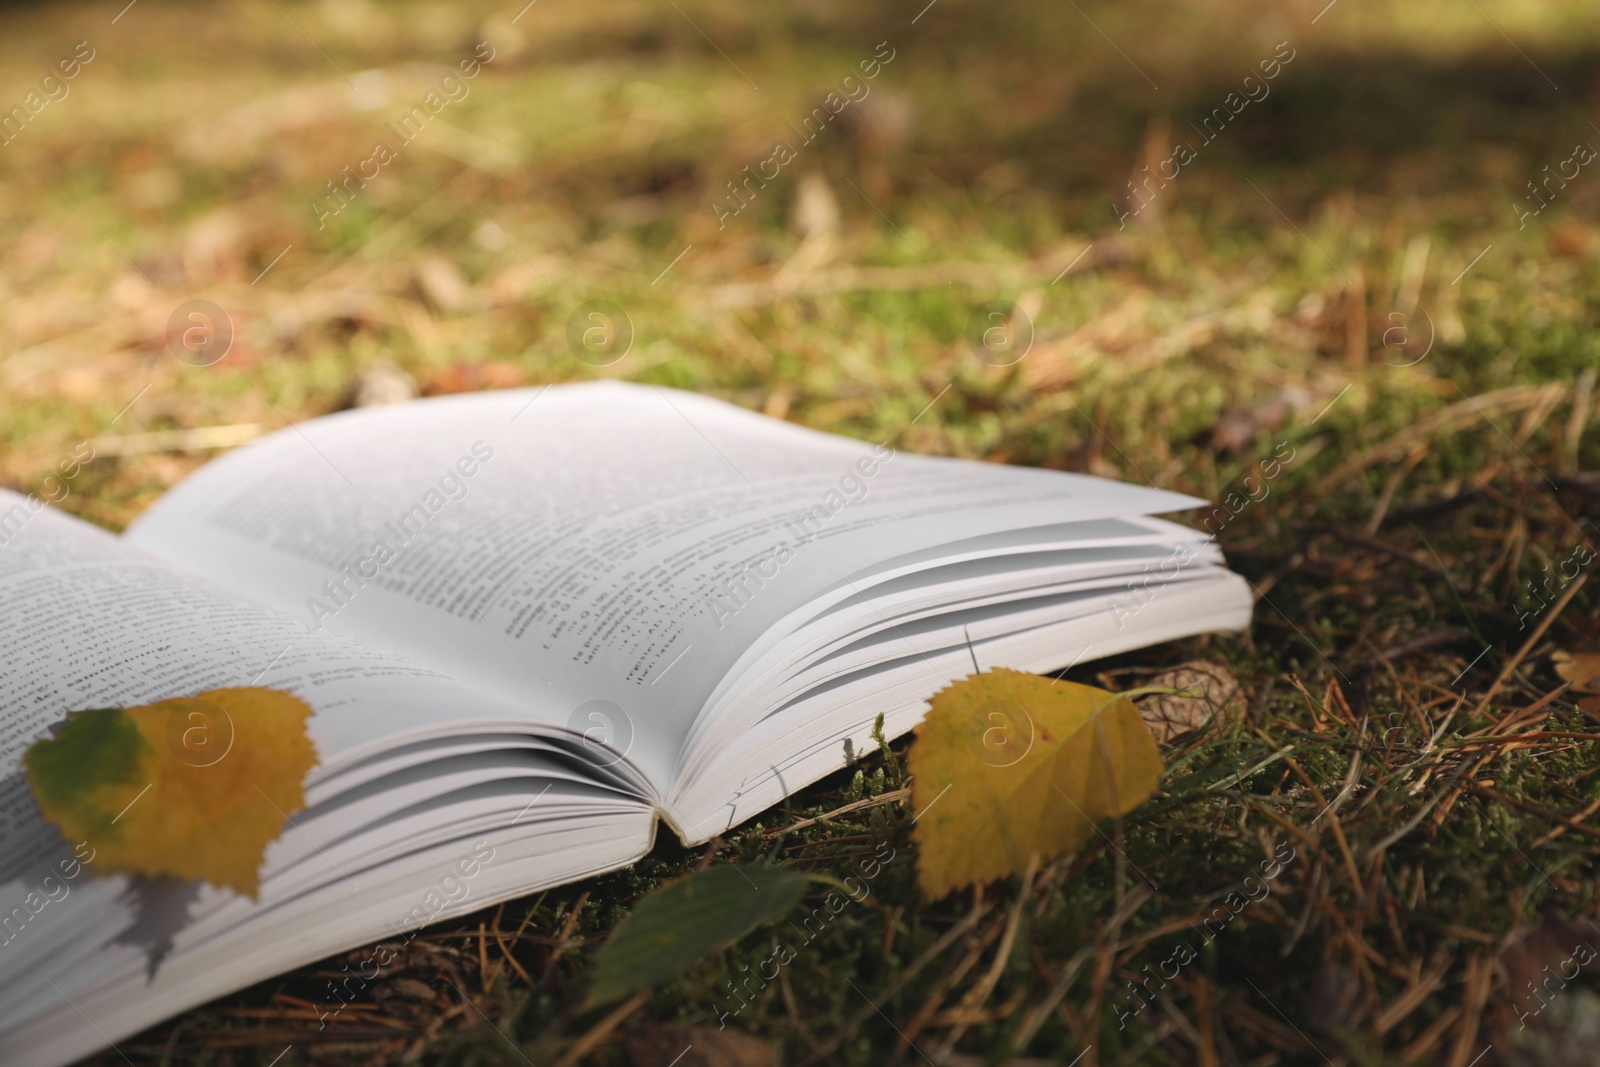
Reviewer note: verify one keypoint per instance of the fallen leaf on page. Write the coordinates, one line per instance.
(193, 788)
(1007, 764)
(684, 921)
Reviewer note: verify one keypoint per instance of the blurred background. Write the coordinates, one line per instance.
(1155, 241)
(625, 152)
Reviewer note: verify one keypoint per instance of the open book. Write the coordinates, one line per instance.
(529, 624)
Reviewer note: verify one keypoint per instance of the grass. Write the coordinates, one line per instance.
(1441, 781)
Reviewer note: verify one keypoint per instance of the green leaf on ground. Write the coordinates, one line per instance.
(685, 921)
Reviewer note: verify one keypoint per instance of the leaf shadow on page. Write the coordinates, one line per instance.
(161, 910)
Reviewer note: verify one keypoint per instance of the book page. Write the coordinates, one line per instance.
(92, 622)
(601, 553)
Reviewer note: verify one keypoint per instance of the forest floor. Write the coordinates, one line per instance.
(1360, 314)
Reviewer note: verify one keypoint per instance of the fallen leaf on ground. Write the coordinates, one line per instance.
(473, 377)
(1237, 427)
(1528, 953)
(685, 921)
(193, 788)
(1007, 764)
(1571, 238)
(1547, 1017)
(1217, 695)
(1581, 668)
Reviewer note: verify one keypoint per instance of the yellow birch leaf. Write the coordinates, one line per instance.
(194, 787)
(1007, 764)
